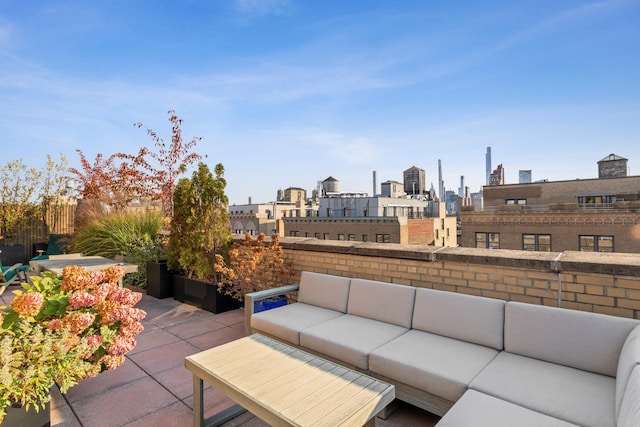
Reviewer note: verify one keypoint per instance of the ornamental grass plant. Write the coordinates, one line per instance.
(62, 330)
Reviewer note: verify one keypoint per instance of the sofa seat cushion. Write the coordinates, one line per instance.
(477, 409)
(570, 394)
(286, 322)
(433, 363)
(349, 338)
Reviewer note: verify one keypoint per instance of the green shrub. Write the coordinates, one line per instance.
(132, 235)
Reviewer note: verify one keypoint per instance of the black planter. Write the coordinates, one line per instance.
(202, 294)
(20, 417)
(159, 280)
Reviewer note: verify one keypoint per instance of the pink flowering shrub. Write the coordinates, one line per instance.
(78, 325)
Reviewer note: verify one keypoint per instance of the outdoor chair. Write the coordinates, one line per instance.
(55, 246)
(12, 275)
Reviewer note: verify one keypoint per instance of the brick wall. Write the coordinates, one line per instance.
(603, 283)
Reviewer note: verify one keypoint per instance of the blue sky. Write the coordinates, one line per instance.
(289, 92)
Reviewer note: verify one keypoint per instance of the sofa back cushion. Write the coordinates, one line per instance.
(324, 290)
(629, 359)
(382, 301)
(587, 341)
(468, 318)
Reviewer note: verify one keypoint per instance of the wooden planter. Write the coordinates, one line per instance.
(159, 279)
(202, 294)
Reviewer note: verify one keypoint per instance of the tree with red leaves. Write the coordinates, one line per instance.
(172, 159)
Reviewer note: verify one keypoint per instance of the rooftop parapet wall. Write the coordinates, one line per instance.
(596, 282)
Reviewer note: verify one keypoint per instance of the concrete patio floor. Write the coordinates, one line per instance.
(154, 389)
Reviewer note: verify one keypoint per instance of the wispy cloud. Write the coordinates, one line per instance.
(262, 7)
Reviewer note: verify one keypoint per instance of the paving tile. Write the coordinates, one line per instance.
(231, 317)
(178, 380)
(194, 327)
(152, 337)
(165, 357)
(61, 413)
(174, 415)
(215, 338)
(106, 381)
(124, 404)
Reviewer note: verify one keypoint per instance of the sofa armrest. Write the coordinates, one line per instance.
(260, 295)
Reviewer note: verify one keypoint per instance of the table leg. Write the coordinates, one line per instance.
(198, 412)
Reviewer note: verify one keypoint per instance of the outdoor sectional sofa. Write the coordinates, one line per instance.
(475, 361)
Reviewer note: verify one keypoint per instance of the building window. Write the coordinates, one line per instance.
(384, 211)
(515, 202)
(596, 243)
(326, 236)
(437, 235)
(596, 201)
(352, 237)
(383, 238)
(317, 235)
(340, 236)
(365, 238)
(293, 233)
(536, 242)
(488, 240)
(329, 212)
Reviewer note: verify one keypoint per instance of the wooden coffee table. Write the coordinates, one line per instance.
(285, 386)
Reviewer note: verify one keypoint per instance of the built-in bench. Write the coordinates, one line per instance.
(475, 361)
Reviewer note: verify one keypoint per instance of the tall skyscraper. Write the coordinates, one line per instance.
(440, 181)
(488, 164)
(461, 189)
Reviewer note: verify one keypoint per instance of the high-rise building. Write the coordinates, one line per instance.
(497, 176)
(440, 181)
(461, 188)
(488, 165)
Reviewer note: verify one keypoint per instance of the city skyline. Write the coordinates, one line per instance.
(287, 93)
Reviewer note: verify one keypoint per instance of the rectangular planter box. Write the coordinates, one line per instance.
(202, 294)
(159, 280)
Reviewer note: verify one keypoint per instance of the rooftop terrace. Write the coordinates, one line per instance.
(153, 388)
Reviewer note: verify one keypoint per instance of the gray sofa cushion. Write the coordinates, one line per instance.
(629, 359)
(465, 317)
(566, 336)
(572, 395)
(382, 301)
(287, 322)
(324, 290)
(435, 364)
(630, 406)
(477, 409)
(349, 338)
